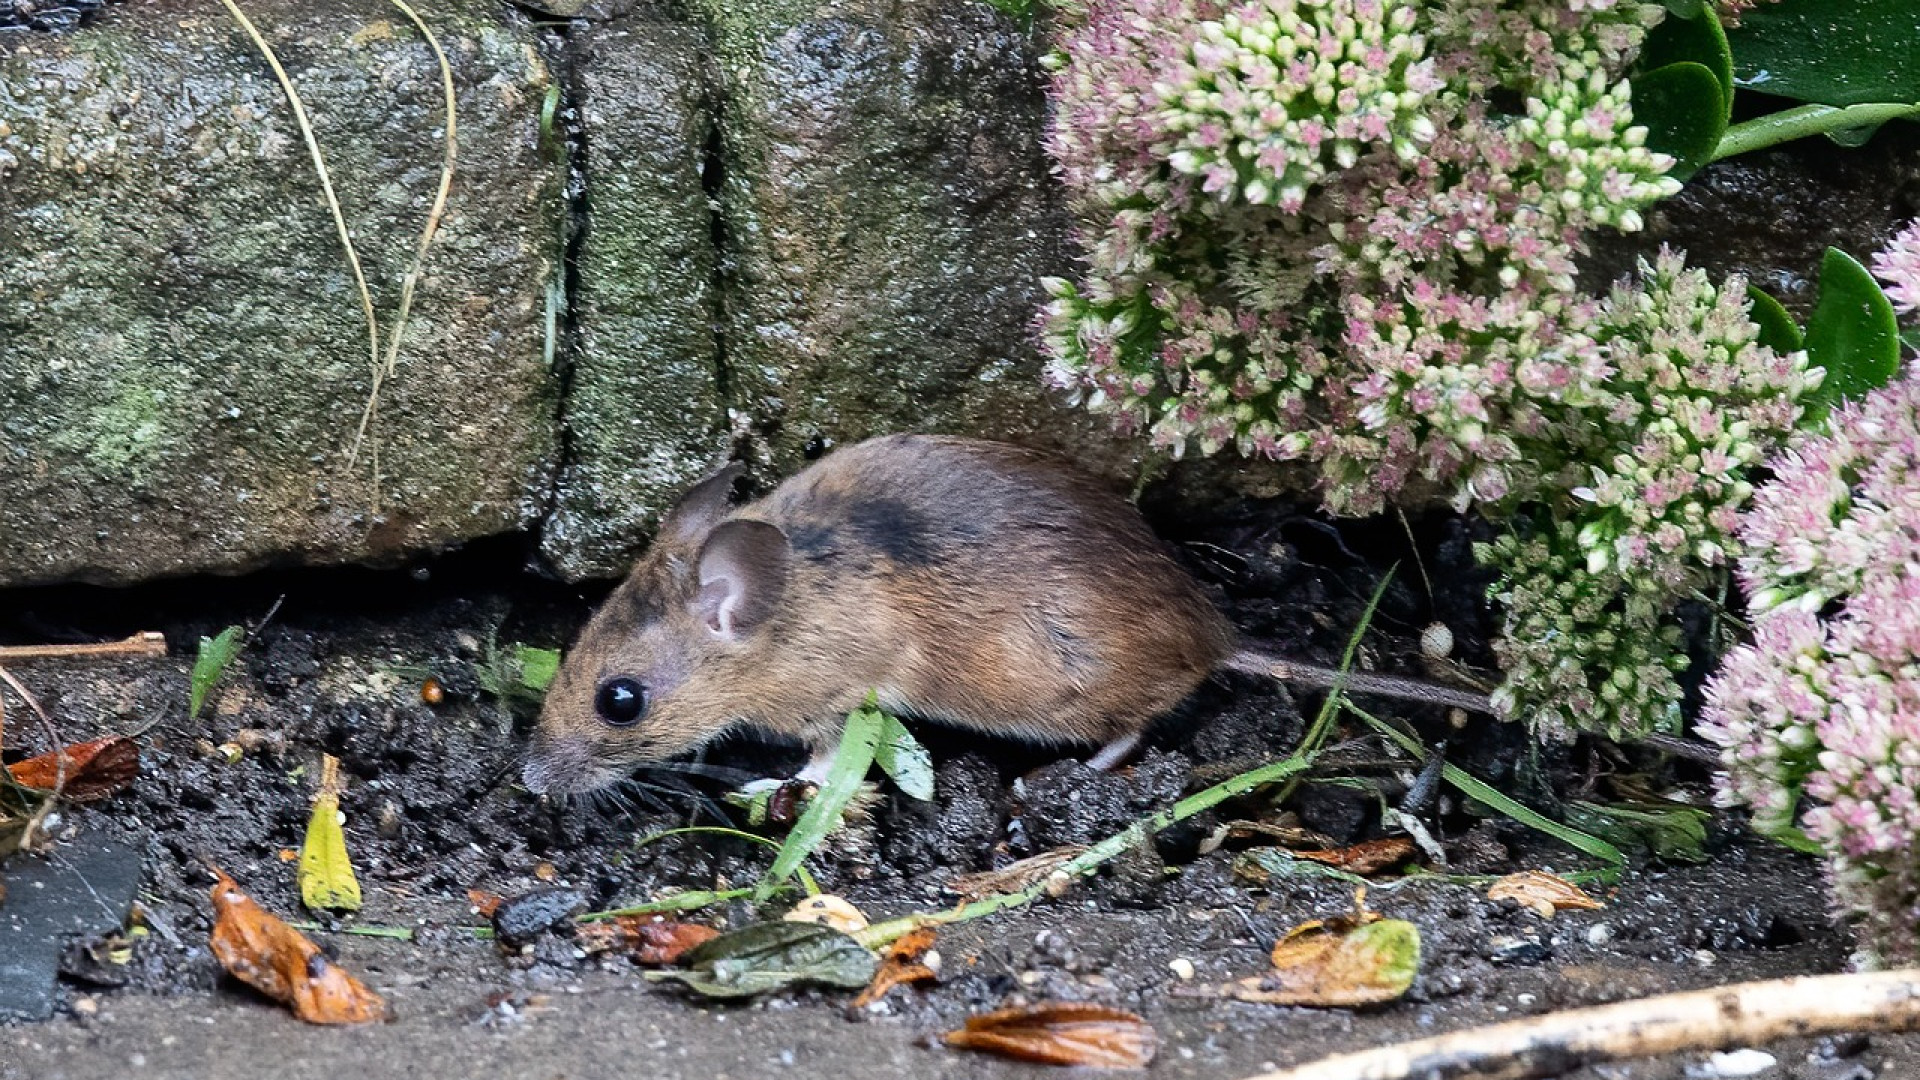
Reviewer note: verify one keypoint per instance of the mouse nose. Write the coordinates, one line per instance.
(551, 764)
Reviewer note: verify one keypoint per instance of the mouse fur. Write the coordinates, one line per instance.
(977, 584)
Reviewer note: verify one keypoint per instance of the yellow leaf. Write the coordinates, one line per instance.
(326, 873)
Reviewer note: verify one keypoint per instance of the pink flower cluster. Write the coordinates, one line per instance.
(1346, 232)
(1658, 430)
(1898, 265)
(1825, 703)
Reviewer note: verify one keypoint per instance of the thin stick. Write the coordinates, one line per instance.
(40, 813)
(382, 371)
(1744, 1014)
(319, 167)
(147, 643)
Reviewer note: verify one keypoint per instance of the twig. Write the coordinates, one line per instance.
(1743, 1015)
(59, 759)
(147, 643)
(320, 168)
(383, 370)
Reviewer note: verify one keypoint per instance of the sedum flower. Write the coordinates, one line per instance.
(1898, 265)
(1824, 706)
(1275, 95)
(1346, 232)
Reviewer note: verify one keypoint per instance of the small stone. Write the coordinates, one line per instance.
(1182, 968)
(1733, 1063)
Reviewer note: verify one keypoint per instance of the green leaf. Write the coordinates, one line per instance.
(1910, 337)
(1852, 333)
(537, 667)
(1830, 52)
(1684, 110)
(1690, 39)
(901, 756)
(1778, 331)
(1667, 831)
(209, 663)
(769, 956)
(1795, 840)
(850, 763)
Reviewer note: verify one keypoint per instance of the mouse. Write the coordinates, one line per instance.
(977, 584)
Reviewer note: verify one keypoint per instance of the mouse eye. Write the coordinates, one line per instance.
(621, 700)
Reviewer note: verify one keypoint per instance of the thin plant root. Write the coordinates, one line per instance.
(149, 643)
(1744, 1014)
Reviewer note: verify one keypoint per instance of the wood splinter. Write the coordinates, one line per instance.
(1744, 1014)
(146, 643)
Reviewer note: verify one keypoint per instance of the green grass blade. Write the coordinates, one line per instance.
(850, 764)
(1482, 792)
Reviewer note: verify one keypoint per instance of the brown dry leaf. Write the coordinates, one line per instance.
(1543, 893)
(277, 960)
(1062, 1033)
(485, 903)
(1369, 857)
(1266, 832)
(1014, 876)
(94, 770)
(649, 939)
(906, 962)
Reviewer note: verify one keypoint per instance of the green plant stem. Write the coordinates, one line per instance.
(686, 901)
(806, 879)
(1085, 863)
(1804, 121)
(1323, 722)
(395, 933)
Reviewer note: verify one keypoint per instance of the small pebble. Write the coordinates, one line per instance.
(1733, 1063)
(1599, 933)
(1182, 968)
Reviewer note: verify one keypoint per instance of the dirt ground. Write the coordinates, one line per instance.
(434, 809)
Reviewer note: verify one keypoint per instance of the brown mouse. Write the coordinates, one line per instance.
(971, 583)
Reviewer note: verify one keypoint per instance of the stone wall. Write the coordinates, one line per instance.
(679, 231)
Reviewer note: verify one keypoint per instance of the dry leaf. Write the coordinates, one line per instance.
(1366, 858)
(1062, 1033)
(1014, 876)
(327, 881)
(1357, 959)
(910, 959)
(94, 770)
(649, 939)
(828, 910)
(277, 960)
(1543, 893)
(1266, 832)
(485, 903)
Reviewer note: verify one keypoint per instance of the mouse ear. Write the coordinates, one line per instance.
(743, 572)
(704, 504)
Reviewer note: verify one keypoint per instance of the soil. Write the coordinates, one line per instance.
(433, 810)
